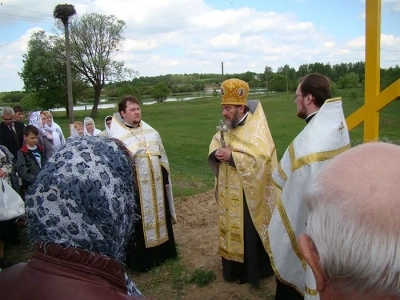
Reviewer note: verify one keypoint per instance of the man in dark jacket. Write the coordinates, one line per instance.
(11, 132)
(81, 211)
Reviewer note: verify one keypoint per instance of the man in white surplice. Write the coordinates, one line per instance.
(324, 137)
(154, 241)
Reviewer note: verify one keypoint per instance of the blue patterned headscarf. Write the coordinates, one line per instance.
(84, 198)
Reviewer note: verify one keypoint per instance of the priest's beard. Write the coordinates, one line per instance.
(233, 123)
(302, 111)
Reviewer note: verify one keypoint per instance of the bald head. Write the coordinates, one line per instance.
(353, 220)
(366, 179)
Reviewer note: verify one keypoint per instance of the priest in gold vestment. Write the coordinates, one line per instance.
(153, 242)
(242, 156)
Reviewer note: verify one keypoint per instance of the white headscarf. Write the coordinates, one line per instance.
(105, 124)
(36, 120)
(55, 129)
(95, 130)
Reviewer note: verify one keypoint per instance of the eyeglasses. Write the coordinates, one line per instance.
(297, 95)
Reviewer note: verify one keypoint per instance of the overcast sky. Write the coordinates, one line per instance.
(195, 36)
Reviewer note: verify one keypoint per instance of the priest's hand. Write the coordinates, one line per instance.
(223, 154)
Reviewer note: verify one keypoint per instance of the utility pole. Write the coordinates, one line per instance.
(222, 68)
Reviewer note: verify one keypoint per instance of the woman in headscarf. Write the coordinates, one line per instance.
(53, 130)
(35, 119)
(77, 129)
(107, 125)
(80, 222)
(89, 128)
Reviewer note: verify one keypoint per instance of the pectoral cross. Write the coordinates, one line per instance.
(222, 128)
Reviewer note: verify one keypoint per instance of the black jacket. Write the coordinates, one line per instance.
(27, 166)
(7, 139)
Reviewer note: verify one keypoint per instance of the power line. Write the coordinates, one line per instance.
(29, 10)
(22, 18)
(11, 43)
(28, 20)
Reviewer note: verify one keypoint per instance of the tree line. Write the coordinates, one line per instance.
(95, 40)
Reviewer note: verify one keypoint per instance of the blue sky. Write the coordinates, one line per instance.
(186, 36)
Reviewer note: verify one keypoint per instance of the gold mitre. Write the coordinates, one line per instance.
(234, 92)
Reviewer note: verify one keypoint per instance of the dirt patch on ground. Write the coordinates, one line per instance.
(196, 237)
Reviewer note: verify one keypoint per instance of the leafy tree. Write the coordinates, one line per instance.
(12, 97)
(160, 92)
(278, 83)
(350, 80)
(334, 89)
(339, 70)
(128, 89)
(303, 70)
(30, 102)
(43, 73)
(268, 72)
(95, 40)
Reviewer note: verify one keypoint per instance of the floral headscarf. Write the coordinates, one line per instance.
(84, 198)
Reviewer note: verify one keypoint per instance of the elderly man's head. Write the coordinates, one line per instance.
(353, 238)
(7, 115)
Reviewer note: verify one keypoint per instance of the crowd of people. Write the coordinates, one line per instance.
(313, 220)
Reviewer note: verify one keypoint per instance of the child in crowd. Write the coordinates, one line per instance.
(78, 126)
(30, 158)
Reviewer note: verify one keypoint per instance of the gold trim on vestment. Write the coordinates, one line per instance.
(281, 172)
(153, 189)
(333, 100)
(311, 291)
(276, 184)
(278, 276)
(290, 231)
(230, 206)
(315, 157)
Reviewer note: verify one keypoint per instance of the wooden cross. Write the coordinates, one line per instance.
(374, 99)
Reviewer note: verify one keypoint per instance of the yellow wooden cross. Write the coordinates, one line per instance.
(374, 99)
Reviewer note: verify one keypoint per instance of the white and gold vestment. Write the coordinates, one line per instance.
(145, 144)
(324, 137)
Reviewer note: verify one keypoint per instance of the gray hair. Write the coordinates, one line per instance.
(7, 111)
(357, 252)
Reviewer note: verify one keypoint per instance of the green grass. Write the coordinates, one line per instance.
(202, 277)
(170, 277)
(186, 128)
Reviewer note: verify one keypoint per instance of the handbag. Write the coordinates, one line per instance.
(11, 203)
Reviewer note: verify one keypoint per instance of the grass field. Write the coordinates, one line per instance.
(186, 128)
